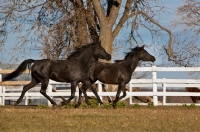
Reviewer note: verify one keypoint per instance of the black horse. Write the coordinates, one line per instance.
(116, 73)
(73, 70)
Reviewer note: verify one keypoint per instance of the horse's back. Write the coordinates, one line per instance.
(49, 64)
(40, 64)
(57, 70)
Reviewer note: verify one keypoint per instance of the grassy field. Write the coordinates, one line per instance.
(126, 119)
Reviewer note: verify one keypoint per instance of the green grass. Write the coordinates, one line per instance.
(136, 106)
(192, 106)
(90, 119)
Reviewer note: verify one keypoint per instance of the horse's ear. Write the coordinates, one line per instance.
(143, 46)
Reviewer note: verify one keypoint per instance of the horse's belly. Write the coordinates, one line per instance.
(108, 78)
(65, 76)
(113, 77)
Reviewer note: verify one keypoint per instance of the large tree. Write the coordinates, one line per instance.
(57, 26)
(186, 38)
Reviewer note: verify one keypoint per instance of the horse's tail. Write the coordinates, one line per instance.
(20, 69)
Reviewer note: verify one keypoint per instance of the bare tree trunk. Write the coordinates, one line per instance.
(81, 26)
(106, 39)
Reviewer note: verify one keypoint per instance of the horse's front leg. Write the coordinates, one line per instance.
(73, 90)
(124, 92)
(121, 87)
(85, 95)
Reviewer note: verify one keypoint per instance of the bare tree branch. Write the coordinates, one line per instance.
(169, 50)
(114, 11)
(124, 17)
(100, 13)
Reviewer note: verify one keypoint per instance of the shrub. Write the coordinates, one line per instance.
(107, 106)
(43, 106)
(191, 106)
(93, 103)
(70, 105)
(136, 106)
(150, 104)
(120, 104)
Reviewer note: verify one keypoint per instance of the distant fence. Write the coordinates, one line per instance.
(154, 84)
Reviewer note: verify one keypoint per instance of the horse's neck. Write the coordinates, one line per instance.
(132, 64)
(86, 57)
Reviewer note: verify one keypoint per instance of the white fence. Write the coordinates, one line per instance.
(154, 84)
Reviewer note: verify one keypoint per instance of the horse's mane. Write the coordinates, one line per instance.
(129, 54)
(79, 50)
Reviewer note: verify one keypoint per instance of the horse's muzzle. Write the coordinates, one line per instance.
(153, 59)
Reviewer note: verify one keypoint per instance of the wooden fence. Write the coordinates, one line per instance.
(153, 83)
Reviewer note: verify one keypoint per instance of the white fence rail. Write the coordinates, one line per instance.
(154, 84)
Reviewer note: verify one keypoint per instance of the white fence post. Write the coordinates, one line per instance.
(26, 99)
(164, 92)
(50, 94)
(3, 97)
(130, 90)
(100, 88)
(154, 83)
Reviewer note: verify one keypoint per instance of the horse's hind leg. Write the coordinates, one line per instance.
(85, 95)
(89, 85)
(104, 89)
(44, 84)
(25, 89)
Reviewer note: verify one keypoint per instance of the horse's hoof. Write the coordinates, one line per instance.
(109, 102)
(114, 106)
(55, 105)
(61, 103)
(15, 103)
(77, 105)
(101, 105)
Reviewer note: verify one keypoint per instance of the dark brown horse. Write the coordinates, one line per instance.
(193, 89)
(116, 73)
(73, 70)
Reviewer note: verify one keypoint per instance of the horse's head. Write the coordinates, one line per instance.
(100, 52)
(143, 54)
